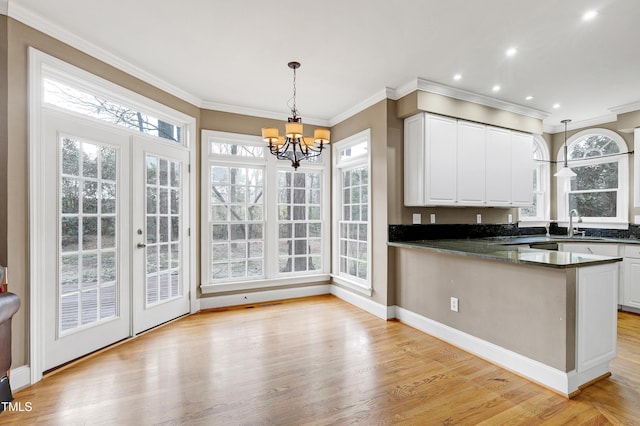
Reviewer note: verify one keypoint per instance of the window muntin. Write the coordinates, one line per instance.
(598, 191)
(92, 105)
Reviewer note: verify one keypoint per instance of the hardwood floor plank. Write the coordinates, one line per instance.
(316, 361)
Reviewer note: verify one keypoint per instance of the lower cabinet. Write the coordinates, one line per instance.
(630, 288)
(629, 281)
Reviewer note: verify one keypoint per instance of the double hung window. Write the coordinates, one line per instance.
(351, 232)
(538, 213)
(263, 223)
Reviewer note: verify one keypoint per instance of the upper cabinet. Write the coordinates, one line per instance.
(450, 162)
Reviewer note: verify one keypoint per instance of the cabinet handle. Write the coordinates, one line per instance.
(590, 251)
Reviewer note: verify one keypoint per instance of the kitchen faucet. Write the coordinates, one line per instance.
(570, 230)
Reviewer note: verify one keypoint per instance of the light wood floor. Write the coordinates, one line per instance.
(314, 361)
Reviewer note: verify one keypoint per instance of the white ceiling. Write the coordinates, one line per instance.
(233, 54)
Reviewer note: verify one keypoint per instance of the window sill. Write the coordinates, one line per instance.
(532, 223)
(367, 291)
(263, 283)
(596, 225)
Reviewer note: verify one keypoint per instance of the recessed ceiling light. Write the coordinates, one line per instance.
(512, 51)
(528, 98)
(496, 88)
(589, 15)
(457, 77)
(556, 106)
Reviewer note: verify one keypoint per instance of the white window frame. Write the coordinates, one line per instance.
(272, 278)
(542, 165)
(360, 285)
(636, 172)
(621, 221)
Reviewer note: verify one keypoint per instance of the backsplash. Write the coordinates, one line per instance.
(458, 231)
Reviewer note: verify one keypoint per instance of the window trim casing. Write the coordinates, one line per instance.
(621, 221)
(271, 166)
(544, 175)
(365, 288)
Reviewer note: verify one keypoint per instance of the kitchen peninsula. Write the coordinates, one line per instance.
(549, 316)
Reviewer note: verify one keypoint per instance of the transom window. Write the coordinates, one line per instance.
(599, 191)
(90, 104)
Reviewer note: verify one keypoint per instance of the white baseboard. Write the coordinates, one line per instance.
(364, 303)
(20, 377)
(564, 383)
(262, 296)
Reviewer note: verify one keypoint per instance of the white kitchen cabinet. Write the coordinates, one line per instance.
(430, 160)
(630, 288)
(450, 162)
(521, 169)
(472, 145)
(498, 177)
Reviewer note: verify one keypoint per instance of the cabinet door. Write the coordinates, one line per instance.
(522, 169)
(631, 289)
(414, 161)
(498, 177)
(441, 135)
(471, 163)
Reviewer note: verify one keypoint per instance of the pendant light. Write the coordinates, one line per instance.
(294, 146)
(565, 171)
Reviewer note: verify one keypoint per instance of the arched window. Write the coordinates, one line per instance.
(538, 213)
(599, 191)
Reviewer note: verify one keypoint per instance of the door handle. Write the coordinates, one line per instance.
(141, 245)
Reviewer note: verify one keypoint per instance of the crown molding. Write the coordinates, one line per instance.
(465, 95)
(255, 112)
(622, 109)
(383, 94)
(592, 122)
(25, 16)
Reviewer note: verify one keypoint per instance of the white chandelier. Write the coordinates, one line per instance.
(294, 146)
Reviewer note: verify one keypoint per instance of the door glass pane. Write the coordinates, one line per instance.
(162, 222)
(88, 244)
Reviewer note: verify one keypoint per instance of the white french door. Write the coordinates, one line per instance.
(160, 228)
(87, 235)
(116, 232)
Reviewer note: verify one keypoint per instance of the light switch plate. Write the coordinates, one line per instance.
(417, 218)
(433, 218)
(478, 218)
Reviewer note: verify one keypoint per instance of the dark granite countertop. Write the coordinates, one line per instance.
(516, 250)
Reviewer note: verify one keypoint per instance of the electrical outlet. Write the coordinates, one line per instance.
(417, 218)
(454, 304)
(433, 218)
(478, 218)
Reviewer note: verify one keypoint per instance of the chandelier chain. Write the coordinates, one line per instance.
(294, 109)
